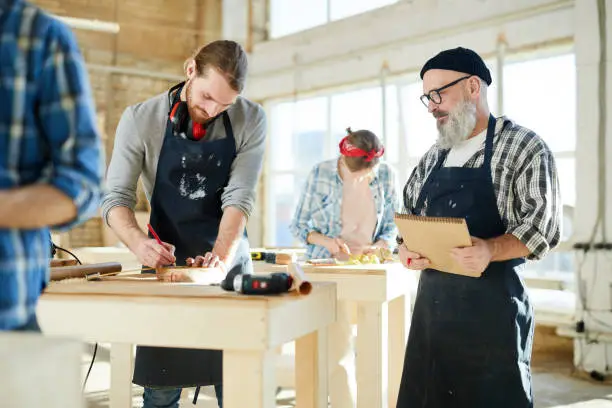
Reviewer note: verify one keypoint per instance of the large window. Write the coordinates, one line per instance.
(529, 87)
(305, 132)
(298, 140)
(308, 131)
(291, 16)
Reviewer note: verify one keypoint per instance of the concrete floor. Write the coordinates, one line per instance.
(554, 382)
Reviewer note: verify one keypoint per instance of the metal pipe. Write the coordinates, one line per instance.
(404, 152)
(135, 72)
(383, 87)
(499, 68)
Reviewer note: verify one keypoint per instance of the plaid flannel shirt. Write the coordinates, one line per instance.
(525, 182)
(47, 135)
(320, 206)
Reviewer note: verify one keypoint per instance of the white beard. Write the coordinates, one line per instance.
(460, 124)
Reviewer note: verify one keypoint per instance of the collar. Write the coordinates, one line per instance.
(173, 92)
(374, 172)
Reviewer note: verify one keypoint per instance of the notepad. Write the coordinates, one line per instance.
(433, 238)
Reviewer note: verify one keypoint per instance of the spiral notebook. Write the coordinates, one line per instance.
(433, 238)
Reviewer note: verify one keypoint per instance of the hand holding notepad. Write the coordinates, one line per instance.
(434, 238)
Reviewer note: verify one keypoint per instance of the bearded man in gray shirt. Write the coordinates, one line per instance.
(199, 148)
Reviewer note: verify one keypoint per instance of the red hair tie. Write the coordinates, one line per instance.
(348, 149)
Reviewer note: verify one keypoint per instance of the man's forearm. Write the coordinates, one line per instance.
(123, 222)
(231, 229)
(506, 247)
(35, 206)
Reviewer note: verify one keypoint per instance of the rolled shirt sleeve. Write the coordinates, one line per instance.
(537, 205)
(68, 122)
(246, 167)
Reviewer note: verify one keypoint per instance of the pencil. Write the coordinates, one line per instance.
(155, 234)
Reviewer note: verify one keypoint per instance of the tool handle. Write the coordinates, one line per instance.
(82, 271)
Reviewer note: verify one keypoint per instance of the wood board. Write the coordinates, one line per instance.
(144, 286)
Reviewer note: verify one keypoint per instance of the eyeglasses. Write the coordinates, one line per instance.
(434, 94)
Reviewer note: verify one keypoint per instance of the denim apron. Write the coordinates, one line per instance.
(186, 212)
(470, 338)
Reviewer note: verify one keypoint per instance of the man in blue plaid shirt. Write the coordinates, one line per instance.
(50, 157)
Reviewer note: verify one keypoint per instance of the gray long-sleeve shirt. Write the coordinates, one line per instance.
(138, 143)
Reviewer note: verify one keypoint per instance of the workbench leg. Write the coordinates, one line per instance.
(249, 379)
(122, 368)
(399, 313)
(311, 388)
(372, 356)
(341, 358)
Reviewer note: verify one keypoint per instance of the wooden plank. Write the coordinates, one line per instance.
(341, 359)
(122, 367)
(156, 321)
(399, 320)
(355, 288)
(371, 358)
(142, 287)
(249, 379)
(373, 269)
(311, 361)
(139, 288)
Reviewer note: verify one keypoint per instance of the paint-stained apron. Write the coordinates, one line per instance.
(186, 212)
(470, 338)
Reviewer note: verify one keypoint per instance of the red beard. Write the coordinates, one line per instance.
(197, 115)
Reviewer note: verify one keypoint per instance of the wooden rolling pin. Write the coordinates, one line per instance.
(82, 271)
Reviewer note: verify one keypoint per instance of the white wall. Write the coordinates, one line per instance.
(594, 269)
(403, 36)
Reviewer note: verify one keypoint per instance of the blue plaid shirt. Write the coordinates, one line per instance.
(47, 135)
(320, 206)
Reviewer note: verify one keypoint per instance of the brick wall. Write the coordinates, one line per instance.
(155, 38)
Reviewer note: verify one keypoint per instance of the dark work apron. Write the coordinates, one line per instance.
(470, 338)
(186, 212)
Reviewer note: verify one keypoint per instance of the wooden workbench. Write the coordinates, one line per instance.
(246, 328)
(382, 295)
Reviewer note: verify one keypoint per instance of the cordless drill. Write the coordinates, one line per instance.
(271, 284)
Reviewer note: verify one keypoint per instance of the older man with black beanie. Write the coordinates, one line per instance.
(471, 336)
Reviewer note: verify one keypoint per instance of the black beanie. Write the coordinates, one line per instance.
(459, 59)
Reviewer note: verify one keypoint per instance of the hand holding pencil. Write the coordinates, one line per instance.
(154, 252)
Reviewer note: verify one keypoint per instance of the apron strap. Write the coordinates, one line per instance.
(486, 166)
(423, 195)
(488, 152)
(229, 132)
(195, 395)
